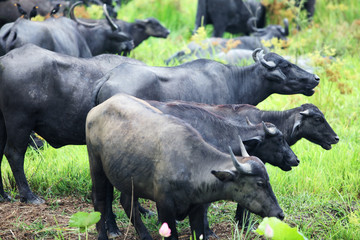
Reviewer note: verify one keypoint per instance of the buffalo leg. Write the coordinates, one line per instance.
(3, 195)
(166, 213)
(132, 211)
(112, 228)
(196, 217)
(208, 231)
(242, 216)
(16, 145)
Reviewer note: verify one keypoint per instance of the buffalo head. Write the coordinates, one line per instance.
(271, 31)
(271, 147)
(311, 124)
(284, 76)
(153, 27)
(103, 38)
(251, 177)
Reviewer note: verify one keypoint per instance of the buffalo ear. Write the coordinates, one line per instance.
(276, 75)
(140, 24)
(252, 143)
(296, 124)
(224, 176)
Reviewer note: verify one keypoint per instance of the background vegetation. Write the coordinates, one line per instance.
(320, 196)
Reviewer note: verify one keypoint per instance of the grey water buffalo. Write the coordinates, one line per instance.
(147, 154)
(306, 121)
(49, 93)
(210, 82)
(229, 15)
(65, 36)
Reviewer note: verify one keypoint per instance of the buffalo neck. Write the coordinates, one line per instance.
(206, 187)
(284, 121)
(250, 84)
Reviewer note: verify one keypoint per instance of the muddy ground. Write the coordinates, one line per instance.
(50, 221)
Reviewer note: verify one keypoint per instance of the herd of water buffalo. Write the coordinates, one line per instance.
(182, 136)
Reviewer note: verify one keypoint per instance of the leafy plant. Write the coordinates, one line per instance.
(278, 230)
(84, 220)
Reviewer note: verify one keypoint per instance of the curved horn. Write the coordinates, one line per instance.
(249, 122)
(241, 167)
(244, 153)
(251, 24)
(267, 130)
(286, 27)
(267, 64)
(254, 54)
(112, 24)
(72, 16)
(305, 113)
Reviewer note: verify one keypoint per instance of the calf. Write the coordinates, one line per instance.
(147, 154)
(210, 82)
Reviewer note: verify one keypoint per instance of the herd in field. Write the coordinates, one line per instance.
(182, 136)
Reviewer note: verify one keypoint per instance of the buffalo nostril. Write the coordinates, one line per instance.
(337, 138)
(281, 216)
(317, 78)
(298, 161)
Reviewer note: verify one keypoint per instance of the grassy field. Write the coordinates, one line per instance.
(322, 195)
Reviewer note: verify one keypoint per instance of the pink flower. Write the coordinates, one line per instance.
(269, 232)
(165, 231)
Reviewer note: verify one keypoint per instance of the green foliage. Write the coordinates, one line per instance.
(84, 220)
(276, 229)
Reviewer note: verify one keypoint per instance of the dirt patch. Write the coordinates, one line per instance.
(50, 221)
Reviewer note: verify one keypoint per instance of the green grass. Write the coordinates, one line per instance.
(320, 196)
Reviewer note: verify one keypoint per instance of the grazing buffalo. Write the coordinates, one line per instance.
(49, 93)
(147, 154)
(229, 15)
(66, 36)
(210, 82)
(309, 6)
(306, 121)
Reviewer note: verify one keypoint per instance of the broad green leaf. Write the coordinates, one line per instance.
(281, 230)
(83, 220)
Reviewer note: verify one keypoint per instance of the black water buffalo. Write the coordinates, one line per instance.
(66, 36)
(140, 30)
(229, 15)
(262, 140)
(210, 82)
(49, 93)
(306, 121)
(147, 154)
(9, 12)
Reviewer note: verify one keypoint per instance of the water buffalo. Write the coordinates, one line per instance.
(229, 15)
(66, 36)
(306, 121)
(210, 82)
(140, 30)
(51, 94)
(147, 154)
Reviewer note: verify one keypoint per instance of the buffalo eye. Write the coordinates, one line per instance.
(319, 119)
(261, 183)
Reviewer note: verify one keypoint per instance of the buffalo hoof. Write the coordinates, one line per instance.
(4, 197)
(32, 200)
(145, 212)
(210, 233)
(113, 233)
